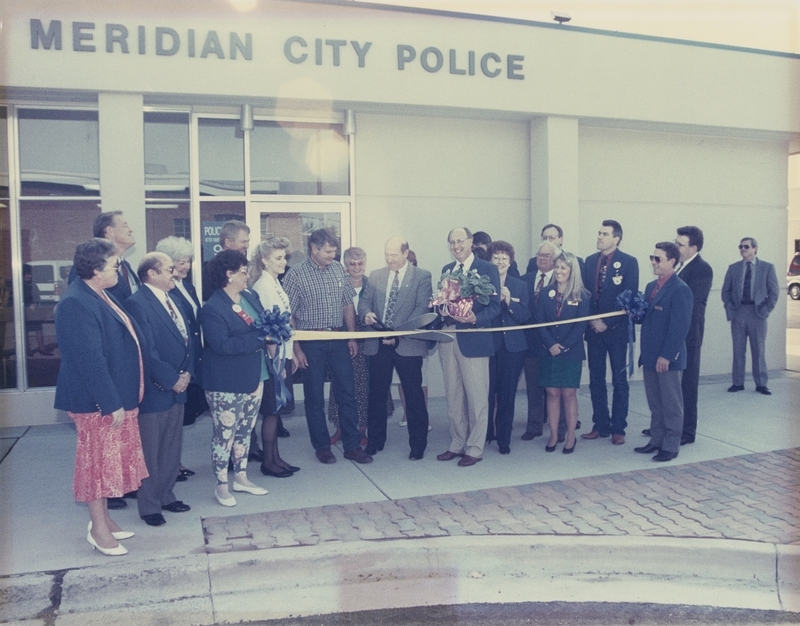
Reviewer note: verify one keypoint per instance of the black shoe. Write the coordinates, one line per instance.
(735, 388)
(358, 455)
(116, 503)
(372, 450)
(686, 439)
(284, 474)
(550, 448)
(187, 472)
(648, 449)
(292, 468)
(282, 432)
(325, 456)
(257, 456)
(415, 456)
(505, 450)
(665, 455)
(156, 519)
(181, 478)
(131, 495)
(528, 436)
(176, 507)
(646, 432)
(567, 450)
(764, 390)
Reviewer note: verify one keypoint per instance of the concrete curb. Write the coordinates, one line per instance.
(344, 577)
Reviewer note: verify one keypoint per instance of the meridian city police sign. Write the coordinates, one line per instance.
(166, 41)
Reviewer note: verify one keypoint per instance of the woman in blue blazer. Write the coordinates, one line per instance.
(233, 369)
(560, 366)
(100, 385)
(510, 347)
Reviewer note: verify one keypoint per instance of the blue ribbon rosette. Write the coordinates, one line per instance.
(274, 326)
(635, 306)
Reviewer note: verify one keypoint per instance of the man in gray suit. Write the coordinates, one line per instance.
(749, 293)
(395, 294)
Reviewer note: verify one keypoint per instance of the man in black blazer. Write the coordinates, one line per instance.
(606, 274)
(167, 345)
(749, 293)
(465, 362)
(697, 273)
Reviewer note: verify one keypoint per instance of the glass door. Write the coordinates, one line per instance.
(296, 221)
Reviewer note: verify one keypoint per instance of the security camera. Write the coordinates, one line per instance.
(560, 17)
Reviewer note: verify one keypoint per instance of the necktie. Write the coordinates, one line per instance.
(748, 278)
(656, 289)
(539, 286)
(388, 318)
(177, 319)
(460, 268)
(601, 278)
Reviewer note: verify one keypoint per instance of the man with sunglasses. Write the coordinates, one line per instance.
(663, 358)
(749, 293)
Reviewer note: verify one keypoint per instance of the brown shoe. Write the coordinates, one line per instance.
(358, 455)
(447, 456)
(468, 461)
(618, 440)
(592, 435)
(326, 456)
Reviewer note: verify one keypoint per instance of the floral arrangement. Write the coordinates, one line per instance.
(274, 325)
(635, 306)
(457, 292)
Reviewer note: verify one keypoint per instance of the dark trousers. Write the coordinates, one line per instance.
(665, 400)
(504, 370)
(537, 397)
(333, 356)
(689, 384)
(614, 347)
(409, 370)
(162, 438)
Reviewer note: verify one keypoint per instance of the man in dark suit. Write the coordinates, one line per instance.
(698, 275)
(540, 277)
(749, 293)
(606, 274)
(167, 345)
(465, 362)
(663, 357)
(395, 294)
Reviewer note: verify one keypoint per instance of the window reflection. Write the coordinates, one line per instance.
(166, 155)
(221, 153)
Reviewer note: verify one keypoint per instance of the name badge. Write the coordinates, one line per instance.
(573, 302)
(658, 307)
(617, 280)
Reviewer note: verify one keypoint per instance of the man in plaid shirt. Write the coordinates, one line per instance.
(321, 298)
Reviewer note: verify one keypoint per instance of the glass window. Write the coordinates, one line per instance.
(161, 219)
(166, 155)
(8, 366)
(298, 159)
(212, 216)
(221, 154)
(59, 153)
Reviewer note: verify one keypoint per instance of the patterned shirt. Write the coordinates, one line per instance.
(317, 295)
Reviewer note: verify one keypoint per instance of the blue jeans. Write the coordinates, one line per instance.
(613, 345)
(333, 356)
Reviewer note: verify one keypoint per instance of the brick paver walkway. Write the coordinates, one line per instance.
(753, 497)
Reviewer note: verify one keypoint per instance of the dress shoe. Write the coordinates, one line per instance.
(282, 474)
(372, 450)
(648, 449)
(549, 448)
(326, 456)
(567, 450)
(187, 472)
(468, 461)
(251, 488)
(131, 495)
(116, 503)
(156, 519)
(180, 478)
(735, 388)
(118, 551)
(686, 439)
(118, 535)
(665, 455)
(283, 433)
(255, 455)
(415, 456)
(505, 450)
(292, 468)
(764, 390)
(448, 456)
(176, 507)
(527, 436)
(593, 435)
(646, 432)
(618, 440)
(358, 455)
(227, 500)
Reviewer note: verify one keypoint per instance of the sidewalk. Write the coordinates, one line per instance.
(718, 526)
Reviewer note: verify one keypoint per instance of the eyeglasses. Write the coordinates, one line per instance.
(114, 267)
(656, 259)
(549, 237)
(744, 246)
(501, 258)
(544, 255)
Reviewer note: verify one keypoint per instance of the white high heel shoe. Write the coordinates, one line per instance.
(120, 534)
(118, 551)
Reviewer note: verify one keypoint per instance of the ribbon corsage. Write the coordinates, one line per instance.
(274, 327)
